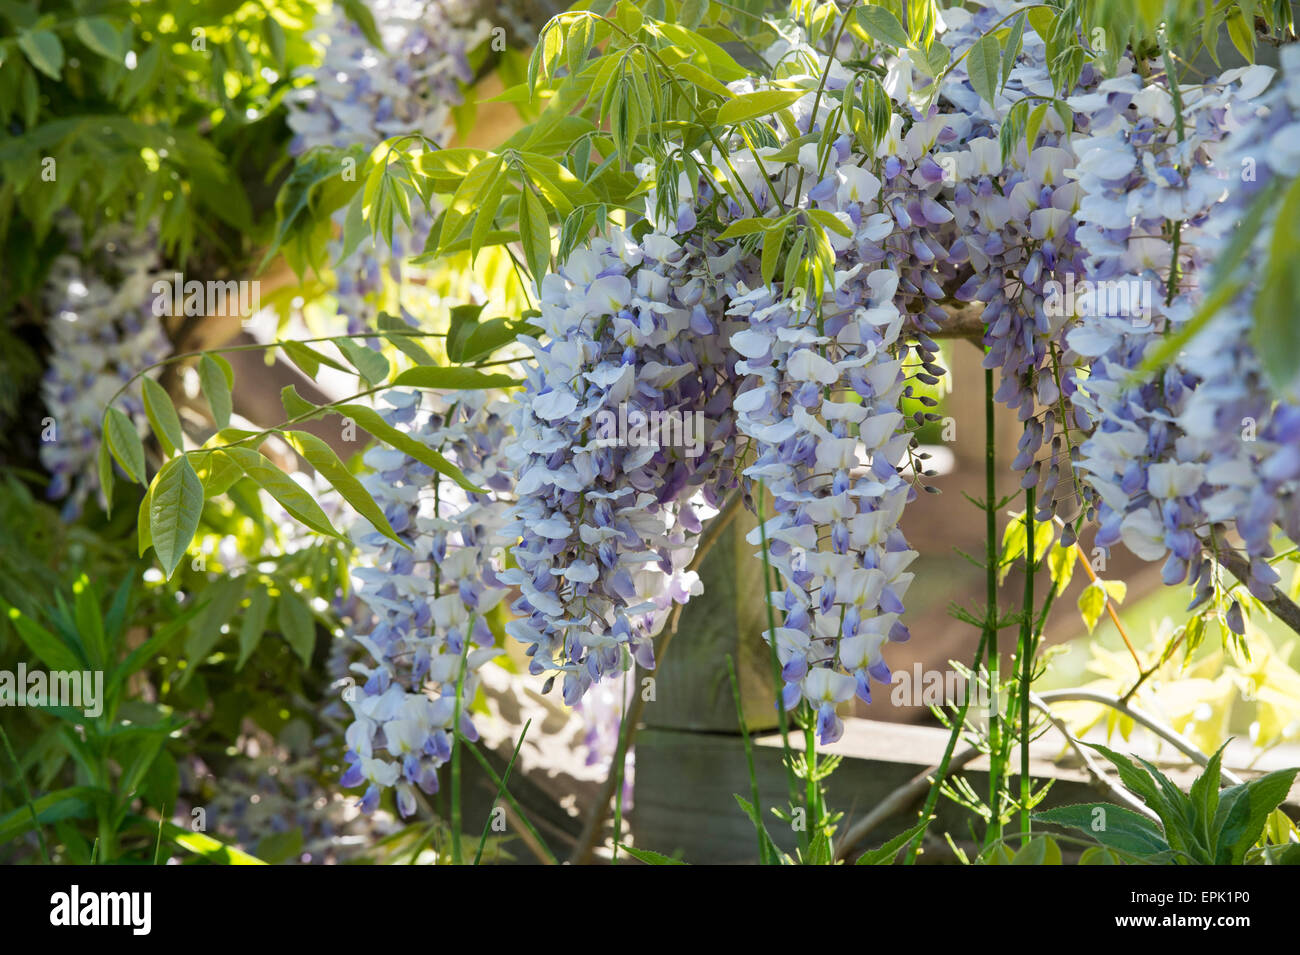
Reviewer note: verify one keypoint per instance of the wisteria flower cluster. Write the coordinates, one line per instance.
(102, 330)
(607, 526)
(1206, 442)
(430, 599)
(362, 95)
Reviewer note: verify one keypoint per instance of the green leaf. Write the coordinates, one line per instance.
(293, 497)
(297, 625)
(1243, 812)
(1041, 850)
(465, 202)
(1015, 38)
(886, 854)
(1060, 564)
(296, 407)
(743, 227)
(175, 504)
(452, 378)
(487, 337)
(98, 34)
(223, 598)
(535, 233)
(43, 49)
(649, 857)
(320, 456)
(1113, 826)
(253, 625)
(162, 415)
(74, 802)
(125, 444)
(207, 847)
(307, 359)
(755, 105)
(142, 531)
(882, 25)
(47, 647)
(216, 378)
(1092, 602)
(371, 421)
(983, 62)
(1276, 333)
(104, 463)
(372, 365)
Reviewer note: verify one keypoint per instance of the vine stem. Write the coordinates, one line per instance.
(991, 614)
(456, 855)
(1026, 652)
(585, 847)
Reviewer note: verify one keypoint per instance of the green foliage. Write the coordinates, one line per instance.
(1205, 826)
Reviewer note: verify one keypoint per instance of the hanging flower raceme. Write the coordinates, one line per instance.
(623, 443)
(430, 600)
(102, 330)
(1204, 442)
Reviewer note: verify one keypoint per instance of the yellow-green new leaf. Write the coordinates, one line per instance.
(756, 105)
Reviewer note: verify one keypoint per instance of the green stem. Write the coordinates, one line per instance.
(620, 765)
(27, 795)
(776, 661)
(514, 804)
(764, 856)
(1026, 653)
(991, 621)
(457, 857)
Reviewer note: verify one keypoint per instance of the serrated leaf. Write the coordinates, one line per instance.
(886, 854)
(1115, 827)
(649, 857)
(175, 505)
